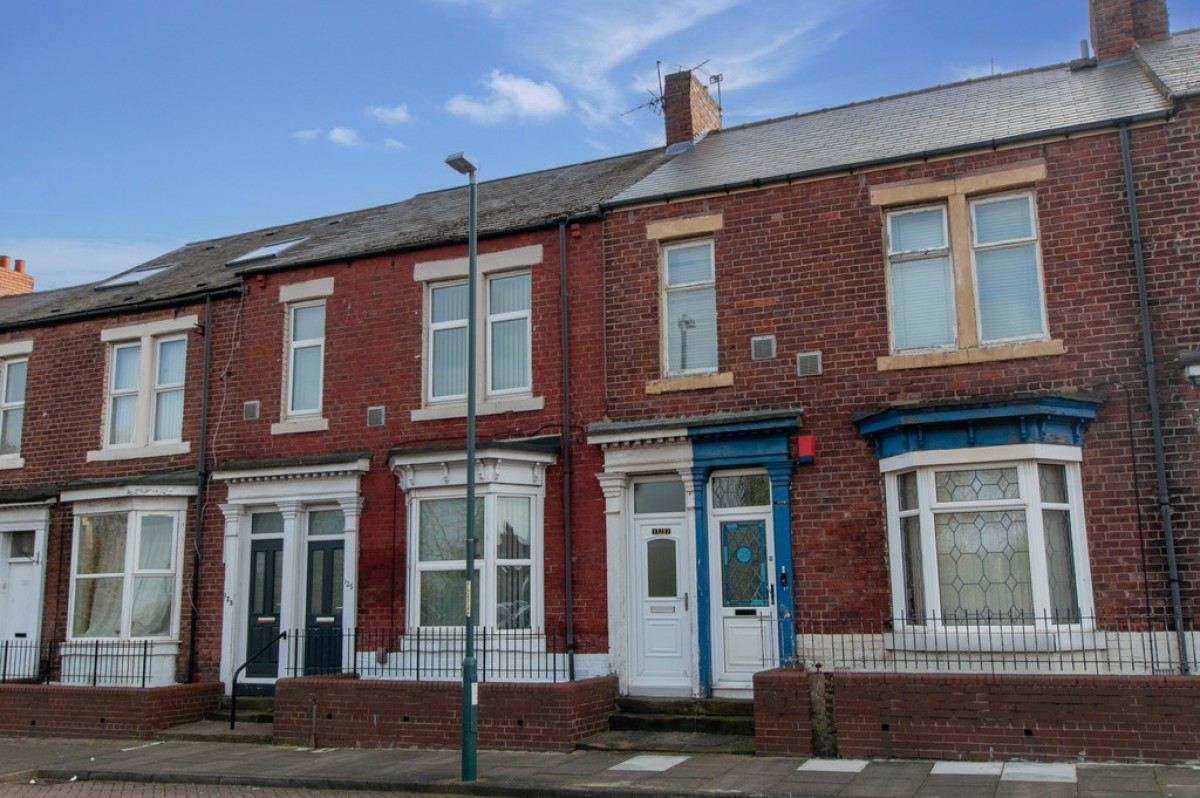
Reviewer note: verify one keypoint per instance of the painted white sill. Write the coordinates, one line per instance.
(298, 425)
(980, 354)
(488, 407)
(690, 382)
(11, 462)
(983, 640)
(138, 452)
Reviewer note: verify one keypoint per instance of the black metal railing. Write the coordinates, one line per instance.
(433, 654)
(125, 663)
(1129, 642)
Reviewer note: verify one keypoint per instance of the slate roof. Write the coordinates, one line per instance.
(974, 113)
(505, 205)
(1175, 61)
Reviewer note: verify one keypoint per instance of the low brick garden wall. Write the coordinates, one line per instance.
(345, 711)
(47, 710)
(983, 717)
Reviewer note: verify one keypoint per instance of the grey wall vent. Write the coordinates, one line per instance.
(376, 416)
(762, 347)
(250, 410)
(808, 364)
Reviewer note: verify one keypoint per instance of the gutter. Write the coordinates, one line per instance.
(759, 182)
(201, 487)
(568, 572)
(1160, 466)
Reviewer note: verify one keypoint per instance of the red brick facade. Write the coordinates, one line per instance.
(39, 710)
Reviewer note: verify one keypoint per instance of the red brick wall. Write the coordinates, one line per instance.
(805, 262)
(1120, 718)
(782, 713)
(37, 710)
(342, 711)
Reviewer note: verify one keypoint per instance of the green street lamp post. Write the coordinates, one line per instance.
(463, 164)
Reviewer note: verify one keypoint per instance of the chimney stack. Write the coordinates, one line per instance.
(14, 280)
(689, 109)
(1118, 25)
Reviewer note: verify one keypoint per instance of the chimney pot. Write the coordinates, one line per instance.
(4, 262)
(19, 266)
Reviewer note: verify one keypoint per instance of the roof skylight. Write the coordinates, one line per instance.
(135, 277)
(266, 251)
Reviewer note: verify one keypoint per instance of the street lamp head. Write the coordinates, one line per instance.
(462, 163)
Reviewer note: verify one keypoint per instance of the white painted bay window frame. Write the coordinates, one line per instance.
(921, 623)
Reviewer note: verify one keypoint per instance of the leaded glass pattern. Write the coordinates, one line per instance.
(977, 484)
(744, 567)
(746, 490)
(983, 566)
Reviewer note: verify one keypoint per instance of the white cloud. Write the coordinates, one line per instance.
(307, 135)
(344, 137)
(58, 263)
(396, 115)
(394, 144)
(509, 96)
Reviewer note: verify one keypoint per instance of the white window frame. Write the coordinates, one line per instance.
(134, 510)
(1035, 239)
(488, 561)
(525, 315)
(308, 293)
(462, 323)
(934, 633)
(668, 288)
(896, 257)
(148, 338)
(8, 407)
(295, 346)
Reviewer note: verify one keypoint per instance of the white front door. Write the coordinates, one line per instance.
(742, 568)
(662, 642)
(20, 603)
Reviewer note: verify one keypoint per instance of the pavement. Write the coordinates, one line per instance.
(582, 774)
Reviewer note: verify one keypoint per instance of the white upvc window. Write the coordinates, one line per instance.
(12, 404)
(125, 573)
(985, 541)
(689, 304)
(508, 352)
(936, 303)
(508, 533)
(305, 359)
(1007, 269)
(144, 390)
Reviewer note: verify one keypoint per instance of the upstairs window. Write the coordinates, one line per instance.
(145, 393)
(689, 308)
(306, 358)
(1008, 279)
(12, 404)
(508, 351)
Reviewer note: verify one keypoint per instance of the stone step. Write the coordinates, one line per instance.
(250, 709)
(212, 731)
(668, 743)
(684, 706)
(736, 725)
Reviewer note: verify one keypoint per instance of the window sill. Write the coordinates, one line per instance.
(299, 425)
(488, 407)
(960, 357)
(690, 382)
(11, 463)
(985, 640)
(138, 452)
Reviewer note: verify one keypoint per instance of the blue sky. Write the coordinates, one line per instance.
(134, 126)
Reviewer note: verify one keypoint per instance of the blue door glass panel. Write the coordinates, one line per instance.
(744, 563)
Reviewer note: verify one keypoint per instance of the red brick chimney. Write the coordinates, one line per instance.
(14, 280)
(689, 109)
(1117, 25)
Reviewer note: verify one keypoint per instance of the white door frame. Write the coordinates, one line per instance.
(25, 518)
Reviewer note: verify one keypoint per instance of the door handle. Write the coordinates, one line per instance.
(772, 595)
(685, 602)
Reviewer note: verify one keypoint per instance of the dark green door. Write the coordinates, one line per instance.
(323, 613)
(266, 591)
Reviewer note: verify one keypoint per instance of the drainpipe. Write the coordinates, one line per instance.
(1160, 466)
(201, 485)
(568, 573)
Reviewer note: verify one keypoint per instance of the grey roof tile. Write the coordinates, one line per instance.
(507, 204)
(1175, 61)
(975, 113)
